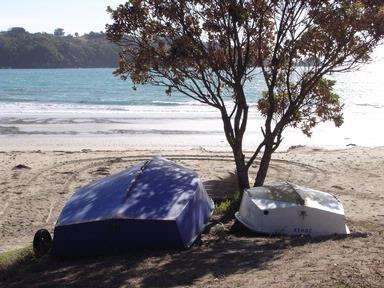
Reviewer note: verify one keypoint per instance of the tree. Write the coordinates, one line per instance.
(59, 32)
(17, 30)
(208, 50)
(20, 49)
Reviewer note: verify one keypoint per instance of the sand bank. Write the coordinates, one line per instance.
(35, 183)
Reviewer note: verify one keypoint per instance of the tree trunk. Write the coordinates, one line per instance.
(264, 165)
(241, 170)
(242, 176)
(237, 150)
(243, 183)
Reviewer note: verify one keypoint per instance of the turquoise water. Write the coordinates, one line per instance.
(38, 89)
(87, 86)
(94, 102)
(100, 87)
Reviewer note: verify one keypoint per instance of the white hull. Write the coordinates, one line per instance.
(321, 214)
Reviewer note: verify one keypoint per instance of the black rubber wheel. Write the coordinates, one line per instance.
(42, 242)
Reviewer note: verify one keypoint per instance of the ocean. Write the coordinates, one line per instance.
(92, 102)
(96, 86)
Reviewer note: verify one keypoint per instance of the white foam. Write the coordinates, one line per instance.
(28, 109)
(191, 122)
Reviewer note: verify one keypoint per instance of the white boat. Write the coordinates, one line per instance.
(285, 208)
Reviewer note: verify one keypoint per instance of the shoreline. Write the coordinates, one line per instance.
(140, 142)
(107, 127)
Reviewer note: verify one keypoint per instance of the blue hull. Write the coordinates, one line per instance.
(156, 204)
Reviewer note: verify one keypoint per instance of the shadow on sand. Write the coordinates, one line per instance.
(223, 249)
(218, 256)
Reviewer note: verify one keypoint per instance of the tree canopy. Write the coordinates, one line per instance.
(59, 32)
(208, 50)
(20, 49)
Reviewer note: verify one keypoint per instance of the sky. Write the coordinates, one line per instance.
(81, 16)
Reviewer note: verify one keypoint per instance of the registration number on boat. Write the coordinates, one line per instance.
(302, 230)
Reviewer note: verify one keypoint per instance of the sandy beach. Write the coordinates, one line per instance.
(35, 184)
(50, 149)
(188, 80)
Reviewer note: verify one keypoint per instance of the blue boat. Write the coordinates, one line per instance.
(155, 204)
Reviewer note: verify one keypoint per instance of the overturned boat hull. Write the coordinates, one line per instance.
(156, 204)
(284, 208)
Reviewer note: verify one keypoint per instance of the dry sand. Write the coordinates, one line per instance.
(34, 186)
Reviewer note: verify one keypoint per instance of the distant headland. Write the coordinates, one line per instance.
(21, 49)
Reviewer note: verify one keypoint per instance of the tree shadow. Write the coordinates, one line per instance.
(145, 268)
(224, 248)
(223, 188)
(220, 253)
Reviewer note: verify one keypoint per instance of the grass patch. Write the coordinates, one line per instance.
(11, 260)
(223, 206)
(15, 255)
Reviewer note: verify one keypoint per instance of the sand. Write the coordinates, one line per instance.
(34, 185)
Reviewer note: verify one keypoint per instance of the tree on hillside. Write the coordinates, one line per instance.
(17, 30)
(59, 32)
(208, 50)
(20, 49)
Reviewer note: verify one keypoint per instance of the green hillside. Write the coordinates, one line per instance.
(20, 49)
